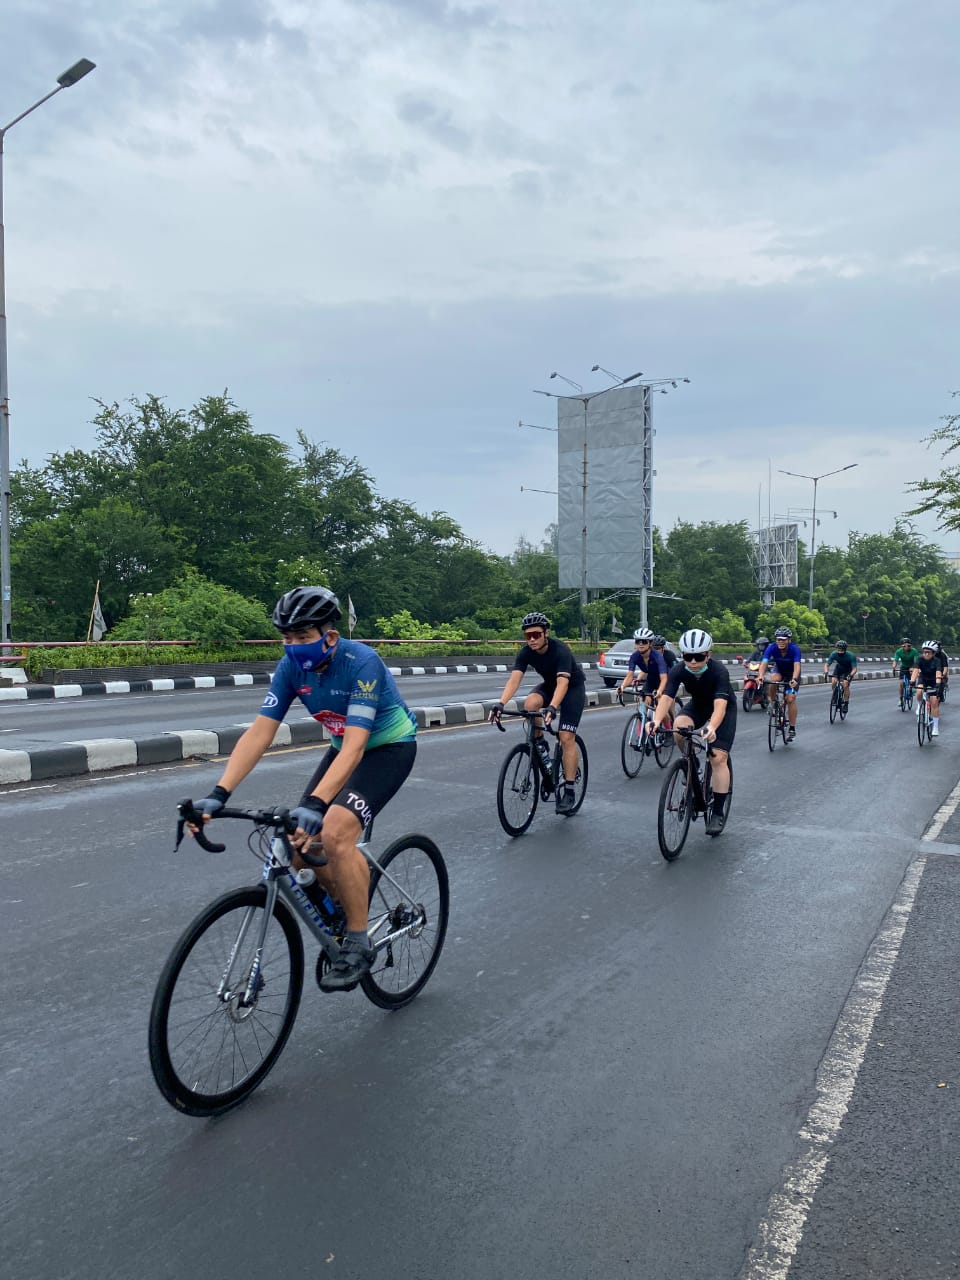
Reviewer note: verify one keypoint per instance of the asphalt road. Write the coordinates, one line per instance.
(605, 1077)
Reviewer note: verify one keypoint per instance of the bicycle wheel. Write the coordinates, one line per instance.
(773, 727)
(843, 707)
(674, 811)
(922, 724)
(402, 967)
(632, 745)
(904, 699)
(784, 725)
(834, 704)
(663, 745)
(207, 1049)
(580, 778)
(518, 790)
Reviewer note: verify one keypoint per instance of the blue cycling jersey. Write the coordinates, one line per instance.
(653, 665)
(782, 661)
(354, 689)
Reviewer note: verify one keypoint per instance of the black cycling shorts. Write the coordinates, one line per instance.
(728, 728)
(571, 708)
(378, 777)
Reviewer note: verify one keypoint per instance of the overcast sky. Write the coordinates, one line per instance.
(386, 221)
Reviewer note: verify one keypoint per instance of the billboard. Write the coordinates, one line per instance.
(605, 489)
(773, 554)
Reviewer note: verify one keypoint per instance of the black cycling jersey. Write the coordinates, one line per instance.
(928, 668)
(556, 658)
(704, 689)
(944, 660)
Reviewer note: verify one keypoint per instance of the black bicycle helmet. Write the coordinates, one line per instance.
(306, 607)
(783, 631)
(840, 645)
(535, 620)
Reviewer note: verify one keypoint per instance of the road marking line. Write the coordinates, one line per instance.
(943, 814)
(780, 1232)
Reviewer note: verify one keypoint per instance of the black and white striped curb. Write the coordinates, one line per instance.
(32, 692)
(70, 759)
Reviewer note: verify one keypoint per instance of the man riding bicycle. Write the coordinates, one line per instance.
(562, 688)
(784, 657)
(904, 660)
(844, 666)
(646, 660)
(345, 685)
(712, 709)
(927, 676)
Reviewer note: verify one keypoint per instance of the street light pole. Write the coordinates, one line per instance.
(65, 81)
(813, 537)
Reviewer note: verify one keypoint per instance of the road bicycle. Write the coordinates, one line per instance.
(839, 705)
(687, 794)
(529, 773)
(907, 689)
(924, 717)
(228, 995)
(636, 744)
(778, 725)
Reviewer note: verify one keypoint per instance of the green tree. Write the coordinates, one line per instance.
(195, 608)
(808, 625)
(941, 495)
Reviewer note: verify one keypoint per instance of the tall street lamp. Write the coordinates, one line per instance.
(69, 78)
(813, 536)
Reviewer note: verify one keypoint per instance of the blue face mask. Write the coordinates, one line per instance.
(313, 656)
(695, 671)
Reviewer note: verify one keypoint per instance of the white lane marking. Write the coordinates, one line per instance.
(37, 786)
(943, 814)
(781, 1230)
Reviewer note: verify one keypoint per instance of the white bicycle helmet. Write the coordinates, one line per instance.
(695, 641)
(643, 633)
(929, 644)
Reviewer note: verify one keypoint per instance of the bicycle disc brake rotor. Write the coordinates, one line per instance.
(236, 1010)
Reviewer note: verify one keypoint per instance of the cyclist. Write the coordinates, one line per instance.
(784, 656)
(927, 676)
(904, 660)
(650, 663)
(944, 658)
(562, 688)
(844, 667)
(711, 708)
(345, 685)
(667, 654)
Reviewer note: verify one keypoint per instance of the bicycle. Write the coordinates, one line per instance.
(924, 717)
(777, 722)
(528, 774)
(227, 997)
(635, 746)
(686, 794)
(839, 705)
(907, 688)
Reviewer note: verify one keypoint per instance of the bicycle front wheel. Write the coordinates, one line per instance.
(632, 746)
(674, 811)
(407, 928)
(518, 790)
(773, 729)
(209, 1046)
(834, 704)
(922, 724)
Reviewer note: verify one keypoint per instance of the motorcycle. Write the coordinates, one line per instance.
(753, 692)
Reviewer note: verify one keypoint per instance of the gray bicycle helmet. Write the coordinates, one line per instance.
(306, 607)
(535, 620)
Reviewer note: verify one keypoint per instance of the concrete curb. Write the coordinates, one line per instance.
(99, 688)
(72, 759)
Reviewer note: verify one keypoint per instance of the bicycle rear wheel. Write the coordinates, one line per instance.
(663, 745)
(844, 706)
(632, 745)
(518, 790)
(403, 965)
(208, 1049)
(674, 811)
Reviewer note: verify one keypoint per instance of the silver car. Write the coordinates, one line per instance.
(613, 663)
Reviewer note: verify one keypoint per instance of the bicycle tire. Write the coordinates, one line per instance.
(784, 725)
(663, 746)
(674, 811)
(519, 788)
(773, 728)
(922, 724)
(904, 699)
(403, 968)
(178, 1081)
(580, 778)
(834, 703)
(843, 708)
(632, 746)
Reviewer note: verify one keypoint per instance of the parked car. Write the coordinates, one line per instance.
(613, 663)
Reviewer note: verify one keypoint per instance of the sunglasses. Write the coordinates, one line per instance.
(641, 642)
(694, 657)
(532, 635)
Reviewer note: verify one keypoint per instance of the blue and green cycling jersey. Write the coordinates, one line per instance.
(354, 689)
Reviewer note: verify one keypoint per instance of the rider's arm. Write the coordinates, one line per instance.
(512, 685)
(560, 692)
(251, 745)
(718, 713)
(661, 686)
(664, 708)
(795, 679)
